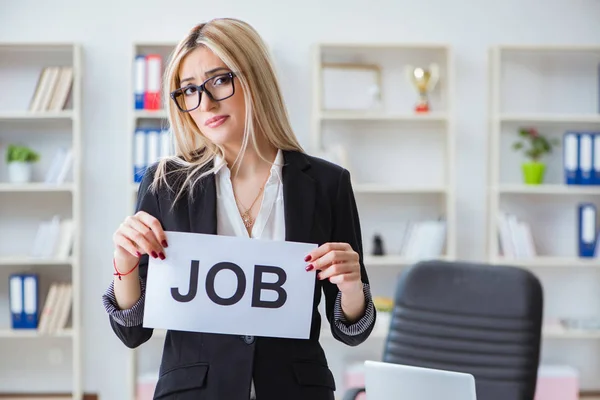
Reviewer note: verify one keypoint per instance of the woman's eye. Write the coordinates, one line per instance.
(221, 80)
(190, 91)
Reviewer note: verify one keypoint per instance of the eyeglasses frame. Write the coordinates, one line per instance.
(202, 89)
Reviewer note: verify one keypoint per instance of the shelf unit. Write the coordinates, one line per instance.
(143, 119)
(401, 162)
(553, 89)
(46, 363)
(395, 121)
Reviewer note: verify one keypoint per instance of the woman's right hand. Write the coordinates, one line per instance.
(139, 234)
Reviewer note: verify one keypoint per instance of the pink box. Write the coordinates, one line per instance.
(557, 382)
(145, 387)
(354, 377)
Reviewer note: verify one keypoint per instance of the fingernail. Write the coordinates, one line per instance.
(138, 254)
(164, 243)
(307, 258)
(162, 256)
(319, 276)
(309, 267)
(154, 254)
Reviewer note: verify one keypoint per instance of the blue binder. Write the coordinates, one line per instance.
(586, 229)
(139, 79)
(140, 154)
(596, 163)
(571, 157)
(586, 158)
(23, 301)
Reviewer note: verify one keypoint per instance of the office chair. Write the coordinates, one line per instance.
(485, 320)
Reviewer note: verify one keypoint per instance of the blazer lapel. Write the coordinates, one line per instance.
(298, 197)
(298, 194)
(203, 209)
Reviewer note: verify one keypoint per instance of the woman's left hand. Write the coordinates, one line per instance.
(339, 263)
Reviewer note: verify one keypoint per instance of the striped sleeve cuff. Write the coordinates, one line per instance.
(362, 324)
(133, 316)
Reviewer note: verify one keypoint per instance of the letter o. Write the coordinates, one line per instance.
(210, 283)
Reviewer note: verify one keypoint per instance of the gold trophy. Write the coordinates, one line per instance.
(424, 80)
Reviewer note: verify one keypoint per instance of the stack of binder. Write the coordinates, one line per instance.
(581, 157)
(23, 301)
(147, 82)
(150, 145)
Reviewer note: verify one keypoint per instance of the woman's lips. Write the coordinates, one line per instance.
(216, 121)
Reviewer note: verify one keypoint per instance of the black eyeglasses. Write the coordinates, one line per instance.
(218, 88)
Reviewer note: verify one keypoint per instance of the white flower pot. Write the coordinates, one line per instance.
(19, 172)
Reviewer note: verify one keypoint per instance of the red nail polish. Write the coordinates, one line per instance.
(154, 254)
(138, 254)
(162, 256)
(309, 267)
(164, 243)
(307, 258)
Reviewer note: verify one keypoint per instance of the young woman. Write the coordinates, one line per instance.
(239, 170)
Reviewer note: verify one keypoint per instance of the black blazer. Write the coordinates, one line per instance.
(319, 208)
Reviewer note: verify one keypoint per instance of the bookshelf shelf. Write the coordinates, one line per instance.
(34, 334)
(550, 189)
(36, 187)
(25, 260)
(28, 115)
(553, 333)
(45, 77)
(397, 189)
(374, 116)
(550, 118)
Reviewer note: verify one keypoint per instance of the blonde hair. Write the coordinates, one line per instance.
(241, 48)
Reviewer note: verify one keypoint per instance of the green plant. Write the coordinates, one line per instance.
(539, 145)
(21, 153)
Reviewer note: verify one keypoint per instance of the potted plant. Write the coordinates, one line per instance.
(534, 146)
(20, 160)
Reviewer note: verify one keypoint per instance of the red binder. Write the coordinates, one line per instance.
(152, 100)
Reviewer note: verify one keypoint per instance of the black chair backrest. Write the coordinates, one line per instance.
(485, 320)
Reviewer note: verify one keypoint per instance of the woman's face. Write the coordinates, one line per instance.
(222, 122)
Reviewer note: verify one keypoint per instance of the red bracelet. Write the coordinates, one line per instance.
(117, 273)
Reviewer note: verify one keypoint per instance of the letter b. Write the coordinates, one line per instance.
(259, 285)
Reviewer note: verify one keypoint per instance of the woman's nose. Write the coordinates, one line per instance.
(206, 103)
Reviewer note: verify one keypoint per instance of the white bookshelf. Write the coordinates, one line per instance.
(55, 360)
(553, 89)
(144, 360)
(401, 162)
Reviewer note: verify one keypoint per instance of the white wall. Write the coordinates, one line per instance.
(107, 28)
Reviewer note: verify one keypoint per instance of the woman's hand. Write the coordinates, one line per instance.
(139, 234)
(339, 263)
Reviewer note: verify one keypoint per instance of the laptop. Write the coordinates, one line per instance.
(386, 381)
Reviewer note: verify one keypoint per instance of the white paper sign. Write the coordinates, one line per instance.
(231, 285)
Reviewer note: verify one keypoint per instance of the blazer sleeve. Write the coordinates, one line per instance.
(346, 229)
(127, 324)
